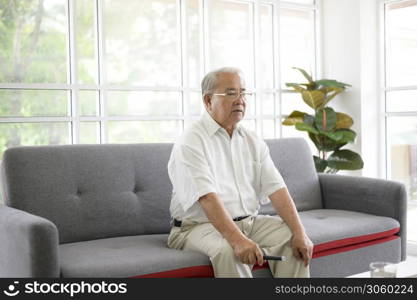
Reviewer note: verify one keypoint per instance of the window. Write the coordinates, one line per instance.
(122, 71)
(401, 100)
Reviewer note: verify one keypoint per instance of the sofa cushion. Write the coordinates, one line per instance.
(293, 159)
(334, 231)
(145, 256)
(148, 255)
(129, 256)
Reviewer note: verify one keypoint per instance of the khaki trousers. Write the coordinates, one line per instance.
(271, 233)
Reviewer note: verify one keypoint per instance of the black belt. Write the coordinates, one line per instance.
(177, 223)
(240, 218)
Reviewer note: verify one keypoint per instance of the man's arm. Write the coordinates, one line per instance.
(245, 249)
(285, 208)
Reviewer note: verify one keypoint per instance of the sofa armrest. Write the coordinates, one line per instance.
(28, 245)
(368, 195)
(363, 194)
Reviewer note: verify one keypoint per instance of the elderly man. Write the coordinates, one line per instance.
(220, 173)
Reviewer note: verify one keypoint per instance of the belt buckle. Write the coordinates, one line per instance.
(240, 218)
(177, 223)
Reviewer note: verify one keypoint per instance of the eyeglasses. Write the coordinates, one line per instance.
(232, 95)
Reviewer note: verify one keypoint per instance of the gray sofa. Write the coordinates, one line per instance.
(103, 211)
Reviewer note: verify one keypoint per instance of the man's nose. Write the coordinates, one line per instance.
(240, 99)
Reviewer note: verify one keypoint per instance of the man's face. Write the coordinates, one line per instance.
(224, 109)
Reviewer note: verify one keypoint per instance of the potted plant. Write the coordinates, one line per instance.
(329, 130)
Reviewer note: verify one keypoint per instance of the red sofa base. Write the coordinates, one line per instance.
(324, 249)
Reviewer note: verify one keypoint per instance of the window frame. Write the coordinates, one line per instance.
(384, 89)
(74, 119)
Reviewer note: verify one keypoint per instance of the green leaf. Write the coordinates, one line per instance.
(348, 136)
(311, 86)
(326, 119)
(294, 118)
(305, 74)
(320, 164)
(316, 140)
(335, 136)
(331, 83)
(296, 86)
(331, 96)
(324, 143)
(306, 127)
(308, 119)
(345, 160)
(341, 136)
(314, 99)
(343, 121)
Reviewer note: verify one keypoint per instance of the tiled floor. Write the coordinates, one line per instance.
(409, 266)
(406, 268)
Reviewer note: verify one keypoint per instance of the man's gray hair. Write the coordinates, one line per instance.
(209, 82)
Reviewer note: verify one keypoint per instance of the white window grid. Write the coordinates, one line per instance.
(103, 118)
(386, 89)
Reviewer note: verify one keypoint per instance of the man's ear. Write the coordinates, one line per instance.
(207, 101)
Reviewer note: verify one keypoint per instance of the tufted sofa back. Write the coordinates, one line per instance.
(99, 191)
(92, 191)
(293, 159)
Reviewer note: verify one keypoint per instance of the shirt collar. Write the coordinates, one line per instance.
(240, 130)
(212, 126)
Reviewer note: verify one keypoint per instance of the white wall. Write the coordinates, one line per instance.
(372, 103)
(349, 42)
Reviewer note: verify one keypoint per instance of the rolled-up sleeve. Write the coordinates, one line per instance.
(190, 175)
(270, 178)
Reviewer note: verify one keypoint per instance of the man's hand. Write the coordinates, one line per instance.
(285, 207)
(248, 252)
(302, 247)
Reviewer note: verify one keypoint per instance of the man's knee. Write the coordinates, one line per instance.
(224, 250)
(227, 264)
(281, 238)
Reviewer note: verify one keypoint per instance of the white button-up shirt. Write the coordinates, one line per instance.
(238, 169)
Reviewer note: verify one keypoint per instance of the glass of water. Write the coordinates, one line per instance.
(383, 269)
